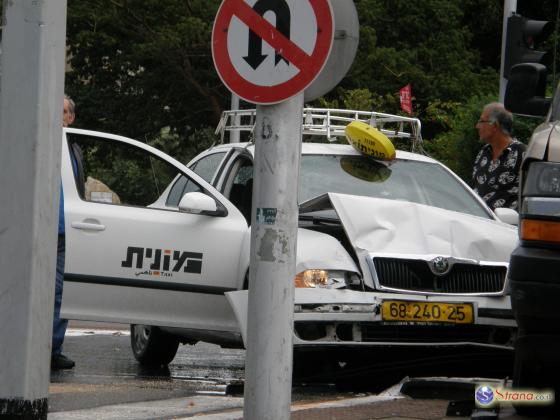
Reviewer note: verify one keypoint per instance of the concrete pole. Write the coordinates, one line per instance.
(234, 135)
(510, 7)
(31, 100)
(274, 221)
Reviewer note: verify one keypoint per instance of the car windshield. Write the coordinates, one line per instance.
(408, 180)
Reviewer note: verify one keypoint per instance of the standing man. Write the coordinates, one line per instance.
(497, 165)
(58, 360)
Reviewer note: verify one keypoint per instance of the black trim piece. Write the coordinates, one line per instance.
(146, 284)
(495, 313)
(20, 409)
(221, 167)
(534, 265)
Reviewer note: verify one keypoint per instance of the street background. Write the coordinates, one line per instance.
(205, 380)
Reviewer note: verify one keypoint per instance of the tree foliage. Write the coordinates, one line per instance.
(139, 66)
(422, 43)
(458, 145)
(143, 68)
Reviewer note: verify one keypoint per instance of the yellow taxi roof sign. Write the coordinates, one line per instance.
(369, 141)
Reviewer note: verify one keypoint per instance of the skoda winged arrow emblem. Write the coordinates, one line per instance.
(439, 265)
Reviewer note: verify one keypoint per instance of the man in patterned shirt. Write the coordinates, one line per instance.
(497, 165)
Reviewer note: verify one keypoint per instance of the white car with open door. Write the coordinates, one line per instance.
(130, 261)
(394, 257)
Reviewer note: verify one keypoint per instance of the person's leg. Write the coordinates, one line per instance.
(58, 361)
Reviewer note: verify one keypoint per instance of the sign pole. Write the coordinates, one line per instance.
(274, 223)
(31, 99)
(234, 135)
(273, 62)
(510, 7)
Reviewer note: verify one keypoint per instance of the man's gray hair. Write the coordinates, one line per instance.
(71, 104)
(498, 113)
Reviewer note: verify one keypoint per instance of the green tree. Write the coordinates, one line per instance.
(458, 146)
(423, 43)
(142, 66)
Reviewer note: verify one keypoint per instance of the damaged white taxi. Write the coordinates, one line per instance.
(397, 254)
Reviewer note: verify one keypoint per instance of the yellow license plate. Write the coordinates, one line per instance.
(411, 311)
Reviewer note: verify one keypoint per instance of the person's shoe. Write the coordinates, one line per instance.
(60, 361)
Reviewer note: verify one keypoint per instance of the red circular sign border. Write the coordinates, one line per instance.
(270, 94)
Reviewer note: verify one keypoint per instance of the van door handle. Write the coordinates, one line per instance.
(88, 226)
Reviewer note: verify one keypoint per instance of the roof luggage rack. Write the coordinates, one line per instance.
(328, 123)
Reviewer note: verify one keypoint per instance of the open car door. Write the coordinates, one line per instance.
(132, 254)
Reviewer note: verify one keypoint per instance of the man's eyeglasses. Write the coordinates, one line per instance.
(485, 122)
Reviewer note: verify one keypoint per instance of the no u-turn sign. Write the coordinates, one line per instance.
(267, 51)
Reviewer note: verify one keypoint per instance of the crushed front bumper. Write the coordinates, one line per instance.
(325, 318)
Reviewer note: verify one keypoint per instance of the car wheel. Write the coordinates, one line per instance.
(151, 346)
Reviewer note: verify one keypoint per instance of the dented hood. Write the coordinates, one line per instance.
(391, 226)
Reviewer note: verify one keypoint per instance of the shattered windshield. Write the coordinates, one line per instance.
(407, 180)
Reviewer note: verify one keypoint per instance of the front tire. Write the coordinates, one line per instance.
(151, 346)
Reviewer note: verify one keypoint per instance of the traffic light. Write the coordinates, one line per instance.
(525, 67)
(525, 91)
(521, 38)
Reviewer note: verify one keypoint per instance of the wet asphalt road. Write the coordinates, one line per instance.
(107, 373)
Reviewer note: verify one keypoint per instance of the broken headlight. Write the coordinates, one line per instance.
(325, 279)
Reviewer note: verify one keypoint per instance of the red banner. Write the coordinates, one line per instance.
(406, 99)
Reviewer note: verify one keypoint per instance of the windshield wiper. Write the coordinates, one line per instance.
(316, 220)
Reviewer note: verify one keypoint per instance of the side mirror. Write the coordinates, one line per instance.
(508, 216)
(199, 203)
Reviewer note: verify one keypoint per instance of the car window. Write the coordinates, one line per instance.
(419, 182)
(241, 191)
(181, 186)
(244, 173)
(207, 166)
(122, 174)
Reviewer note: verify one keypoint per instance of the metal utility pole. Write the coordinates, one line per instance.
(301, 51)
(274, 223)
(510, 7)
(234, 135)
(31, 101)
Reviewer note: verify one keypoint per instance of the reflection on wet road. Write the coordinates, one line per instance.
(107, 373)
(105, 365)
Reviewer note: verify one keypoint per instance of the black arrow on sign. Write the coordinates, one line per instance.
(282, 12)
